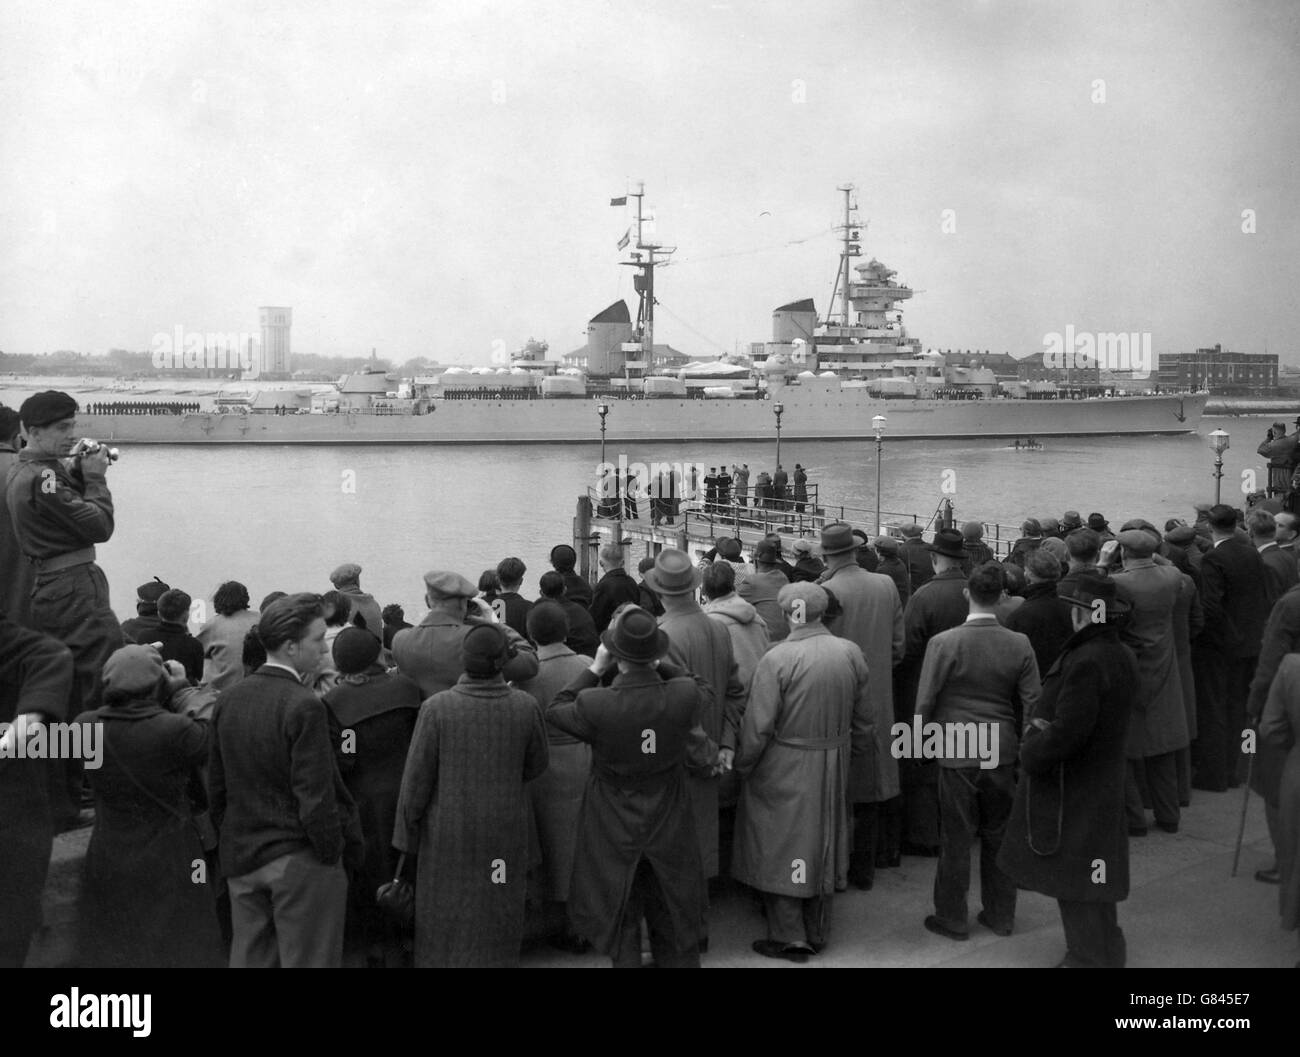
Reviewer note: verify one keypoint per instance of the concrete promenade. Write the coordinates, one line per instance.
(1183, 911)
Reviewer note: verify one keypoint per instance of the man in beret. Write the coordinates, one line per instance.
(143, 627)
(1158, 727)
(61, 507)
(16, 573)
(429, 654)
(365, 610)
(809, 714)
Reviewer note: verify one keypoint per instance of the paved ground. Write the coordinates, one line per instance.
(1184, 910)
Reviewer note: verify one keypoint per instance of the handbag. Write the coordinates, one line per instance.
(397, 897)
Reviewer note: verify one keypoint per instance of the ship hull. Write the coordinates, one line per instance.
(813, 416)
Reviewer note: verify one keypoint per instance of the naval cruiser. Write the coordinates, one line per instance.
(850, 376)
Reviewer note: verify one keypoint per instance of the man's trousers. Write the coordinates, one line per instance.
(289, 913)
(1162, 783)
(798, 922)
(1093, 938)
(973, 802)
(646, 901)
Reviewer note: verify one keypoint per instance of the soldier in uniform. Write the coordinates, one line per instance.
(16, 574)
(60, 509)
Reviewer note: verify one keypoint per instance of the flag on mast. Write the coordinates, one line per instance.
(618, 201)
(627, 237)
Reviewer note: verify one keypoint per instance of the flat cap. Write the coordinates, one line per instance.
(345, 573)
(887, 545)
(42, 409)
(803, 546)
(912, 531)
(152, 591)
(449, 585)
(1138, 543)
(133, 669)
(809, 599)
(1180, 534)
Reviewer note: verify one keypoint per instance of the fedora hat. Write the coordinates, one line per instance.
(948, 542)
(838, 538)
(634, 635)
(673, 573)
(1088, 586)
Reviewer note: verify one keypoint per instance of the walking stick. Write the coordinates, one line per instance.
(1241, 827)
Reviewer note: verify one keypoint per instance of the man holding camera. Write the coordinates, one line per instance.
(61, 507)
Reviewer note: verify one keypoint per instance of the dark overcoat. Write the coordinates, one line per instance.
(379, 711)
(1280, 729)
(637, 806)
(462, 808)
(35, 677)
(1067, 821)
(141, 904)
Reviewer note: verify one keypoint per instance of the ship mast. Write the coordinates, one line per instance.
(644, 281)
(850, 248)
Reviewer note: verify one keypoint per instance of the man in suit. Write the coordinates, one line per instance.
(509, 605)
(283, 815)
(871, 616)
(430, 653)
(936, 606)
(636, 854)
(979, 678)
(1279, 564)
(1234, 595)
(1286, 532)
(1069, 803)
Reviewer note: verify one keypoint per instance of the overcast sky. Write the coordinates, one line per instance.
(428, 179)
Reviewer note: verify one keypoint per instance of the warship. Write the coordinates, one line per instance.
(849, 376)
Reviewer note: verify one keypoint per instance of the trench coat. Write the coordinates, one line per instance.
(1158, 720)
(1068, 811)
(701, 645)
(871, 616)
(222, 639)
(462, 808)
(809, 713)
(1279, 728)
(141, 906)
(637, 806)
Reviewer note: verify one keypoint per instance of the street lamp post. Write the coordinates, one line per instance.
(878, 426)
(602, 409)
(1219, 442)
(778, 410)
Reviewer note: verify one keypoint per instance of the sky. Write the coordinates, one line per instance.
(434, 179)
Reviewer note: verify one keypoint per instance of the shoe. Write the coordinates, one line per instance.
(1269, 877)
(1168, 827)
(982, 918)
(1137, 831)
(787, 951)
(940, 929)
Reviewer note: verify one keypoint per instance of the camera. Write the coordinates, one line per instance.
(86, 446)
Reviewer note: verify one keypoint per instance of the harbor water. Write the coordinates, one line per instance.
(280, 518)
